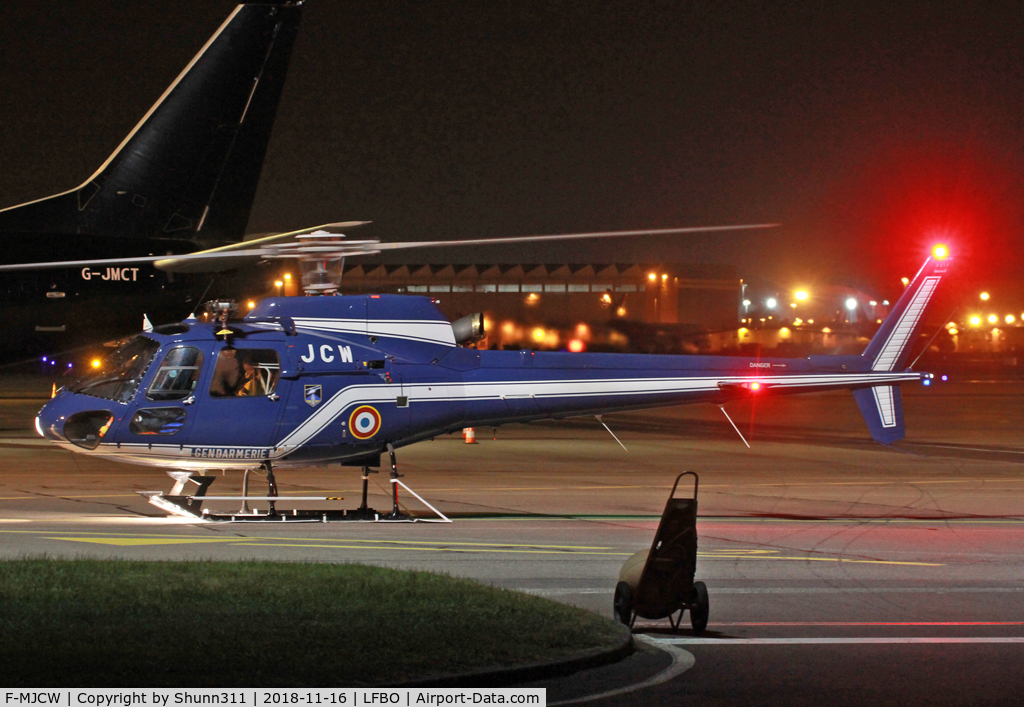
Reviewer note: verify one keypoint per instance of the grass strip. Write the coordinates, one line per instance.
(120, 623)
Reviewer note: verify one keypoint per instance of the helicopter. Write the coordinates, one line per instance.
(344, 379)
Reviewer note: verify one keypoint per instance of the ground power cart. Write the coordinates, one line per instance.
(657, 583)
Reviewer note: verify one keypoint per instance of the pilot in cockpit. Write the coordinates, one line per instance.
(238, 373)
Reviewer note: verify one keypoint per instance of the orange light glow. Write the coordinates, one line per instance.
(940, 251)
(287, 276)
(652, 277)
(800, 295)
(992, 319)
(984, 296)
(755, 386)
(576, 346)
(975, 320)
(95, 363)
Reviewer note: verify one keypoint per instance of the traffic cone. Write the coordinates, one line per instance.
(470, 435)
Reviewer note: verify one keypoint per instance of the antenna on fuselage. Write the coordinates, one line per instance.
(601, 420)
(734, 425)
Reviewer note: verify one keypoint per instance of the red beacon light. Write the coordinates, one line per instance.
(940, 251)
(754, 386)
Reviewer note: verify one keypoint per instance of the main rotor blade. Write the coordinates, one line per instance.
(570, 236)
(239, 251)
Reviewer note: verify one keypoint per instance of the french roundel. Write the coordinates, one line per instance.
(364, 422)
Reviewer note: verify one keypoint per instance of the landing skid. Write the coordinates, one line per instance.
(185, 505)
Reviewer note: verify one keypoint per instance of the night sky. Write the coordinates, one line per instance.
(868, 129)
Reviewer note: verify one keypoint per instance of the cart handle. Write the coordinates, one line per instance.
(696, 480)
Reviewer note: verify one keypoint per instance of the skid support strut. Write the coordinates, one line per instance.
(396, 513)
(271, 485)
(176, 502)
(364, 512)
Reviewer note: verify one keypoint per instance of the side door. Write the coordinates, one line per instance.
(236, 416)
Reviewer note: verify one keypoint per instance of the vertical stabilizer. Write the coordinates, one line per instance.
(890, 349)
(882, 408)
(190, 167)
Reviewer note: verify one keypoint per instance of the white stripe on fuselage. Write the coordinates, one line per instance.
(497, 390)
(425, 330)
(192, 457)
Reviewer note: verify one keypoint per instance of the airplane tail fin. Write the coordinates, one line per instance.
(191, 165)
(890, 348)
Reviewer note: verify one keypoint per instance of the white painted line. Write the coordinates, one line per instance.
(825, 641)
(681, 662)
(563, 591)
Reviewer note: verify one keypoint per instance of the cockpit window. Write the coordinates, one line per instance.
(178, 374)
(119, 375)
(245, 372)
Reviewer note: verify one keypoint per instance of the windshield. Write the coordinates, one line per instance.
(119, 375)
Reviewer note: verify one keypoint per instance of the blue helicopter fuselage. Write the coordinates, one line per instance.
(305, 381)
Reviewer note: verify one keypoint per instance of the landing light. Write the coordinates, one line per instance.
(940, 251)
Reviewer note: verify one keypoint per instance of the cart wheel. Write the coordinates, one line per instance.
(700, 608)
(623, 606)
